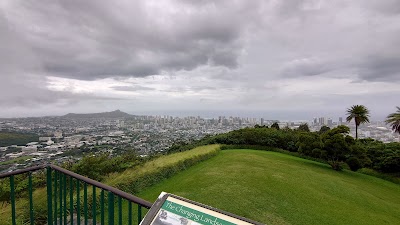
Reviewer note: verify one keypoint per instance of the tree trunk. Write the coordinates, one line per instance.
(356, 132)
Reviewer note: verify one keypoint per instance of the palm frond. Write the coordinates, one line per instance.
(394, 120)
(359, 113)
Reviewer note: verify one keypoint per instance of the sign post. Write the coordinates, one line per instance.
(170, 209)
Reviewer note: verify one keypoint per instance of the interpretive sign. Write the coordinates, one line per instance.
(170, 209)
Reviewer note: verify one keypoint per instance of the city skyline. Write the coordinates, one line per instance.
(270, 59)
(69, 137)
(260, 116)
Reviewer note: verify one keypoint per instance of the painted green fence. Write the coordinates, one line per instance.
(73, 199)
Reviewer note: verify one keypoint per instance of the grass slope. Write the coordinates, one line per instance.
(154, 166)
(274, 188)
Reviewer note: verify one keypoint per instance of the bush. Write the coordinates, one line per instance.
(395, 178)
(353, 163)
(138, 183)
(98, 166)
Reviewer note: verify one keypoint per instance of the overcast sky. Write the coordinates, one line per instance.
(277, 59)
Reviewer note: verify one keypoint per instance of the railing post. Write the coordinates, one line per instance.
(65, 198)
(12, 192)
(139, 213)
(71, 200)
(30, 198)
(129, 213)
(55, 196)
(94, 204)
(102, 222)
(78, 204)
(110, 208)
(49, 197)
(61, 197)
(85, 203)
(119, 210)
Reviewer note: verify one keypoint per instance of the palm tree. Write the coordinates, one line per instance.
(360, 114)
(394, 120)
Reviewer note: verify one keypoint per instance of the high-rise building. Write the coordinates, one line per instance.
(323, 121)
(340, 120)
(330, 123)
(315, 121)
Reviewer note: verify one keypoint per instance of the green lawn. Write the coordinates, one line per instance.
(274, 188)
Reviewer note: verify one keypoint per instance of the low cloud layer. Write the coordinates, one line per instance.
(90, 39)
(208, 55)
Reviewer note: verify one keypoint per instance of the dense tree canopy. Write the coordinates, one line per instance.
(333, 146)
(336, 145)
(324, 129)
(275, 125)
(304, 127)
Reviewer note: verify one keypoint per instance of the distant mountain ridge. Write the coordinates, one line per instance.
(110, 115)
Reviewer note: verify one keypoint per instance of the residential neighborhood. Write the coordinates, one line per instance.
(68, 138)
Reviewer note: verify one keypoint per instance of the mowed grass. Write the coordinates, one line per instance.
(275, 188)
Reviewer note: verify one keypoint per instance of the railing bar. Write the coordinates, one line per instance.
(110, 208)
(60, 193)
(30, 198)
(139, 214)
(129, 213)
(16, 172)
(65, 198)
(119, 210)
(49, 197)
(85, 203)
(71, 200)
(78, 204)
(61, 197)
(55, 196)
(116, 191)
(94, 204)
(12, 189)
(102, 207)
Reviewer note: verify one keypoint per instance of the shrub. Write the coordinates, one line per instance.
(140, 182)
(353, 163)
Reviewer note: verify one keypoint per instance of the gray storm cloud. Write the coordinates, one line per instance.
(90, 39)
(247, 44)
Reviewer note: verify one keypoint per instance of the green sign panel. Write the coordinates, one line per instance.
(194, 215)
(170, 209)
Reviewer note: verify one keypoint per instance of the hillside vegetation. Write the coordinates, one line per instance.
(11, 138)
(275, 188)
(135, 179)
(265, 186)
(132, 180)
(333, 146)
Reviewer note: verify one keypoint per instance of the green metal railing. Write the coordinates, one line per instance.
(66, 205)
